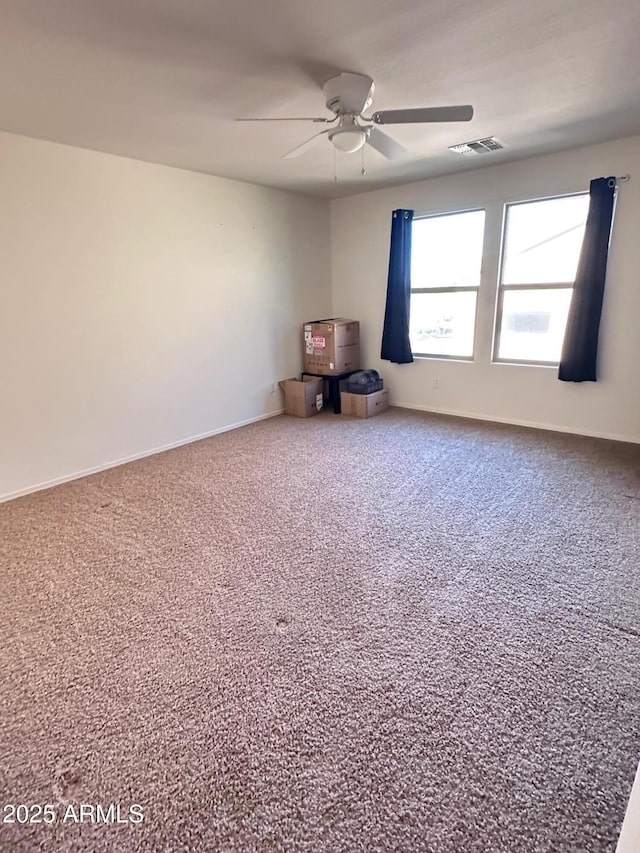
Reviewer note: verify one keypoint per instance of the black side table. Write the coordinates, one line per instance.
(334, 386)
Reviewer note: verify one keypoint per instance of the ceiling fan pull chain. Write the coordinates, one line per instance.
(363, 171)
(335, 167)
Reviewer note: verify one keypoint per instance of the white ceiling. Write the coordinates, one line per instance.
(162, 80)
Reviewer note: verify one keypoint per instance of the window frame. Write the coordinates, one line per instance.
(501, 288)
(453, 289)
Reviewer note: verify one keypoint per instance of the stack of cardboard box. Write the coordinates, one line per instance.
(331, 349)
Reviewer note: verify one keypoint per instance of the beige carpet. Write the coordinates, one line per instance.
(409, 633)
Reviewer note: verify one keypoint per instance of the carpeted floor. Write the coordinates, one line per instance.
(410, 633)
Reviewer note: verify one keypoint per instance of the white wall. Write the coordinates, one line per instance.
(360, 229)
(141, 305)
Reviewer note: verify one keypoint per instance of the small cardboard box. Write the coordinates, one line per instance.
(364, 405)
(302, 397)
(331, 346)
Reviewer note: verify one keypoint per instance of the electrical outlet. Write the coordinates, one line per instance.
(273, 387)
(436, 383)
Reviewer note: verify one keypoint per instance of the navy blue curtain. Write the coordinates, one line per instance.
(580, 347)
(395, 334)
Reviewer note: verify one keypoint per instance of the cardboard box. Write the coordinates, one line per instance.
(364, 405)
(302, 397)
(331, 346)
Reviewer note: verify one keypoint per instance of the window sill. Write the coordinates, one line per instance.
(508, 362)
(426, 357)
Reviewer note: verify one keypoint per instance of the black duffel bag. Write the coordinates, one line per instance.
(364, 382)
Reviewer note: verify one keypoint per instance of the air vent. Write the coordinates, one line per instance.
(478, 146)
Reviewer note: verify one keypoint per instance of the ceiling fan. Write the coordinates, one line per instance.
(348, 95)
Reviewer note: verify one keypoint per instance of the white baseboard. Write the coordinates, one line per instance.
(411, 406)
(514, 422)
(38, 487)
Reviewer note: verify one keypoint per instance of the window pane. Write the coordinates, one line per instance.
(543, 240)
(533, 323)
(443, 323)
(446, 251)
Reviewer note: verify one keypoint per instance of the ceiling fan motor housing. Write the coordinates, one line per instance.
(348, 94)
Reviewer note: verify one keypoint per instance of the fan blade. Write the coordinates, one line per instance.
(330, 120)
(426, 114)
(384, 144)
(304, 146)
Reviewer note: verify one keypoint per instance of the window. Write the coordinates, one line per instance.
(541, 248)
(446, 257)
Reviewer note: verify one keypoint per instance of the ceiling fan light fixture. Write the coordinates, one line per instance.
(348, 140)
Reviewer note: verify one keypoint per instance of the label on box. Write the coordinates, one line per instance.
(330, 365)
(307, 335)
(307, 328)
(309, 348)
(319, 402)
(319, 341)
